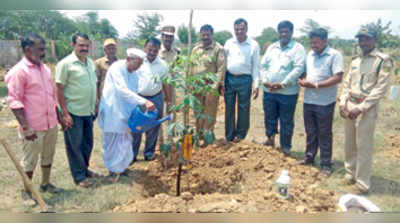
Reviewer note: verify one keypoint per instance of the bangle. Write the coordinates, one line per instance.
(316, 85)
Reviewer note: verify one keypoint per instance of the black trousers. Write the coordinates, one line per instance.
(79, 145)
(318, 121)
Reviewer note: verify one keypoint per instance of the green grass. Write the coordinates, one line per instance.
(3, 89)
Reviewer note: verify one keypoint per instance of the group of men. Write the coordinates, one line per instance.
(109, 89)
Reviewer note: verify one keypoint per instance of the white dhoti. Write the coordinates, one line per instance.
(117, 153)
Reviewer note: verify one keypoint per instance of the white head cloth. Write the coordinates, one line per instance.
(132, 52)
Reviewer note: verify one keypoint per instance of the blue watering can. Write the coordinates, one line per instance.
(141, 120)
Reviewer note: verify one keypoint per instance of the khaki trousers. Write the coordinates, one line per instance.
(359, 145)
(210, 108)
(44, 144)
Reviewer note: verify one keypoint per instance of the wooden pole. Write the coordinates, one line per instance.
(178, 182)
(53, 51)
(25, 178)
(186, 110)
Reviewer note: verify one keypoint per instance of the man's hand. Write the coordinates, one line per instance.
(306, 84)
(354, 113)
(343, 111)
(255, 93)
(29, 133)
(96, 110)
(67, 120)
(273, 86)
(221, 90)
(268, 85)
(276, 86)
(149, 105)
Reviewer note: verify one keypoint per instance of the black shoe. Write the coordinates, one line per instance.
(286, 152)
(305, 162)
(326, 171)
(149, 158)
(237, 140)
(50, 188)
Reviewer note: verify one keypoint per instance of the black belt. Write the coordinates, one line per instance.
(237, 75)
(151, 96)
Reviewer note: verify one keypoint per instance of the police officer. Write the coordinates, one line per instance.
(169, 54)
(363, 88)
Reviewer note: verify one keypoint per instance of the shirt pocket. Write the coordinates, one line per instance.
(368, 81)
(76, 74)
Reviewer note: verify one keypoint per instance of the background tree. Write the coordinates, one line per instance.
(385, 37)
(183, 34)
(97, 29)
(268, 36)
(53, 25)
(310, 24)
(222, 36)
(145, 26)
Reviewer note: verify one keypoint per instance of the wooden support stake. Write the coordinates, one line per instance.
(25, 178)
(178, 183)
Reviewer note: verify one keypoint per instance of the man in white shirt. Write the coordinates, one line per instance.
(118, 100)
(150, 88)
(242, 79)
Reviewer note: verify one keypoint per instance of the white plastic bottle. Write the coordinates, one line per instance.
(283, 183)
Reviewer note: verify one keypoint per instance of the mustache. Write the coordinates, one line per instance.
(84, 51)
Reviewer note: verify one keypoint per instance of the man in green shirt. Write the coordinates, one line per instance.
(76, 93)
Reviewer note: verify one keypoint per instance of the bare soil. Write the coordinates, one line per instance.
(392, 148)
(228, 177)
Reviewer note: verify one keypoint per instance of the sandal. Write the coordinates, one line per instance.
(91, 174)
(113, 177)
(85, 183)
(128, 173)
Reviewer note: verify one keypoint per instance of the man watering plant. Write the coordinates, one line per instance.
(119, 98)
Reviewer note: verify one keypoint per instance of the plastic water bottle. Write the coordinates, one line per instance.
(283, 183)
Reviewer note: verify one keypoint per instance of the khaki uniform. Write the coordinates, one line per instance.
(169, 56)
(212, 59)
(102, 65)
(363, 87)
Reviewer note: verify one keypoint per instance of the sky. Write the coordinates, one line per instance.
(344, 23)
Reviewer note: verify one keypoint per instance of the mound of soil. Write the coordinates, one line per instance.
(229, 177)
(392, 148)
